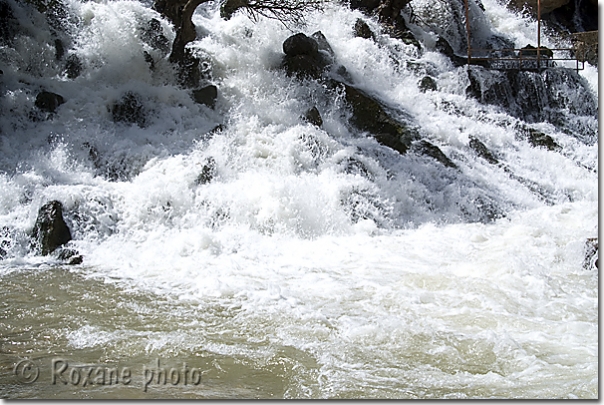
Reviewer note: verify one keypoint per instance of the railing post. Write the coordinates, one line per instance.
(539, 35)
(468, 32)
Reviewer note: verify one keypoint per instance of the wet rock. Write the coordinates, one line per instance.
(70, 256)
(530, 51)
(540, 140)
(189, 70)
(362, 30)
(323, 44)
(59, 49)
(48, 102)
(308, 57)
(352, 165)
(443, 46)
(5, 241)
(73, 66)
(427, 84)
(9, 25)
(482, 151)
(547, 6)
(303, 67)
(591, 254)
(50, 230)
(366, 6)
(300, 44)
(550, 95)
(426, 148)
(313, 116)
(229, 7)
(369, 115)
(208, 171)
(149, 60)
(153, 35)
(206, 95)
(129, 110)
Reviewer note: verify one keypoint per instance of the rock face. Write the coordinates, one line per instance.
(50, 230)
(534, 96)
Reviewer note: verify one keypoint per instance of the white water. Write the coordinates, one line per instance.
(422, 298)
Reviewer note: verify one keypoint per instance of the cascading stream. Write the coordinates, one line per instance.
(284, 258)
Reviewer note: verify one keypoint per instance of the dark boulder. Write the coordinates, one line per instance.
(206, 95)
(129, 110)
(362, 30)
(208, 171)
(366, 6)
(50, 230)
(149, 59)
(229, 7)
(9, 25)
(426, 148)
(553, 95)
(427, 84)
(300, 44)
(70, 256)
(49, 102)
(307, 57)
(369, 115)
(6, 241)
(313, 116)
(591, 254)
(530, 51)
(323, 44)
(153, 35)
(540, 140)
(73, 66)
(188, 69)
(59, 49)
(482, 151)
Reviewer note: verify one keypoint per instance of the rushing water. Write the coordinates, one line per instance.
(291, 274)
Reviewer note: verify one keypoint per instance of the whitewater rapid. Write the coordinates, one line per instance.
(395, 277)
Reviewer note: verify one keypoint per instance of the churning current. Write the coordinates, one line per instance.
(270, 241)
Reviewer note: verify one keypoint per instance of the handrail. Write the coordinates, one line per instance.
(520, 57)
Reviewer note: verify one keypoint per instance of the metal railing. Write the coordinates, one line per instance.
(524, 59)
(534, 59)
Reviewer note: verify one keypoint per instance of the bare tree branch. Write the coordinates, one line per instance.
(288, 12)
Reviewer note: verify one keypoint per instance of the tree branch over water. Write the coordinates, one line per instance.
(180, 13)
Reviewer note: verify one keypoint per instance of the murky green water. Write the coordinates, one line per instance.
(41, 309)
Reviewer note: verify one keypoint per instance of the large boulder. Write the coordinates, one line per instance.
(50, 230)
(129, 109)
(206, 95)
(300, 44)
(426, 148)
(302, 57)
(229, 7)
(49, 102)
(369, 115)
